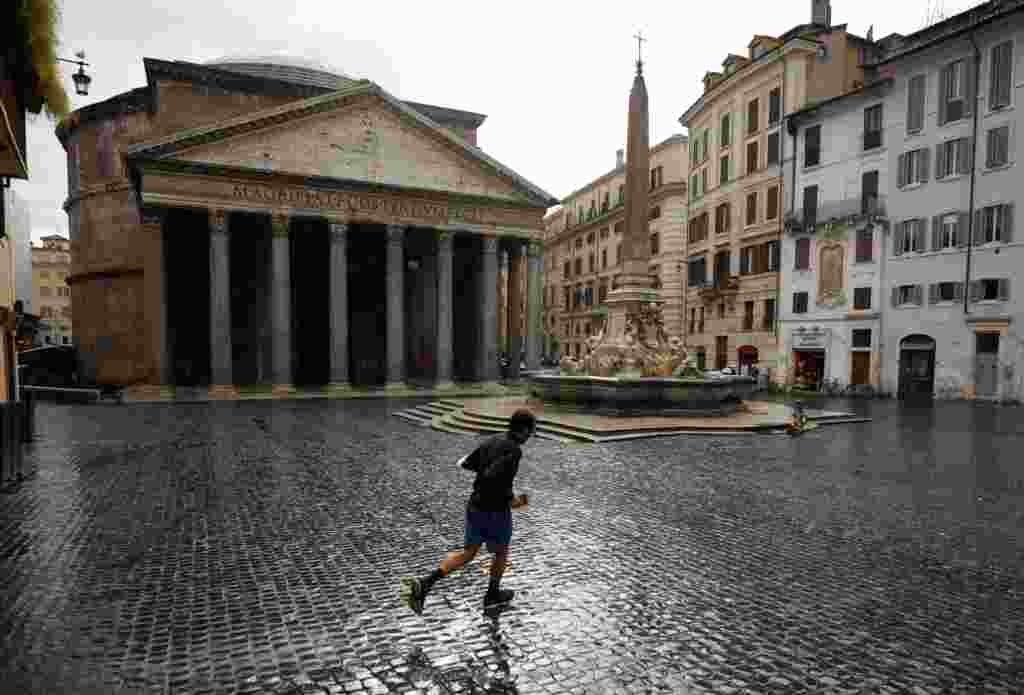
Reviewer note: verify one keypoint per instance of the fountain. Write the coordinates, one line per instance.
(632, 367)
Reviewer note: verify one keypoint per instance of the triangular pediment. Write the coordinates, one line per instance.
(361, 134)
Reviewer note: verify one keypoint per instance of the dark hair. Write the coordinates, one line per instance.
(522, 421)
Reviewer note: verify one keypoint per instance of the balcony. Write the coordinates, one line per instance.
(724, 288)
(847, 211)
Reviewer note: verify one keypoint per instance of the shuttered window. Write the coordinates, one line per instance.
(865, 245)
(909, 237)
(753, 109)
(810, 206)
(956, 90)
(774, 106)
(803, 254)
(998, 147)
(994, 223)
(799, 302)
(812, 146)
(915, 104)
(752, 208)
(869, 193)
(772, 211)
(774, 140)
(726, 137)
(862, 298)
(1001, 75)
(953, 157)
(912, 167)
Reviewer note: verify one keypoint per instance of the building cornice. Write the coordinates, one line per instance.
(668, 190)
(677, 139)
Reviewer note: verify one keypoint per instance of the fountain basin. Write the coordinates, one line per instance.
(642, 396)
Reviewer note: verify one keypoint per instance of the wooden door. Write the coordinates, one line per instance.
(860, 368)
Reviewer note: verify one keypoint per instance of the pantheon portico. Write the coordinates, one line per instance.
(329, 235)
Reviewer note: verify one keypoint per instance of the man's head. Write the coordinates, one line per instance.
(522, 425)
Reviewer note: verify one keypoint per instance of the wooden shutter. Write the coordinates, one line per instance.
(895, 296)
(958, 291)
(925, 155)
(936, 232)
(975, 290)
(990, 148)
(1004, 289)
(901, 169)
(918, 295)
(897, 239)
(920, 240)
(943, 94)
(933, 293)
(940, 160)
(961, 229)
(966, 155)
(1007, 223)
(978, 232)
(970, 87)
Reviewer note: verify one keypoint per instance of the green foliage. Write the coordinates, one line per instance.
(37, 22)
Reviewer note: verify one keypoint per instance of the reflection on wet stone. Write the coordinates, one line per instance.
(257, 548)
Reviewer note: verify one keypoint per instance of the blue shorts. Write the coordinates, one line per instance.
(494, 528)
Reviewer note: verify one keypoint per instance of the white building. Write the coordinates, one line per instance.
(953, 311)
(833, 248)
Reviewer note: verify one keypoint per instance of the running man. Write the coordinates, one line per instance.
(488, 512)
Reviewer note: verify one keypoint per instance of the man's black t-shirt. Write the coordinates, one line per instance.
(496, 463)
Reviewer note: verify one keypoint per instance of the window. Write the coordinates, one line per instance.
(590, 264)
(590, 239)
(772, 211)
(602, 292)
(998, 150)
(726, 139)
(909, 237)
(799, 302)
(43, 275)
(990, 289)
(748, 316)
(869, 193)
(760, 258)
(698, 228)
(994, 223)
(803, 254)
(693, 320)
(622, 193)
(1000, 79)
(655, 273)
(945, 292)
(604, 258)
(752, 112)
(657, 178)
(567, 270)
(654, 213)
(810, 207)
(752, 208)
(696, 271)
(774, 106)
(956, 91)
(752, 157)
(773, 147)
(946, 231)
(873, 127)
(722, 219)
(579, 266)
(861, 338)
(618, 254)
(704, 180)
(812, 146)
(694, 187)
(865, 245)
(724, 170)
(915, 104)
(906, 295)
(700, 320)
(45, 292)
(617, 229)
(721, 310)
(774, 255)
(862, 298)
(579, 242)
(723, 261)
(953, 157)
(706, 140)
(913, 167)
(655, 248)
(768, 317)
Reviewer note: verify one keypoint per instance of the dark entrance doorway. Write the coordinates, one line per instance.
(249, 269)
(721, 352)
(917, 367)
(467, 293)
(367, 305)
(986, 365)
(809, 368)
(187, 295)
(311, 302)
(860, 368)
(746, 357)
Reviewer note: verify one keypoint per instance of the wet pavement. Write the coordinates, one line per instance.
(257, 548)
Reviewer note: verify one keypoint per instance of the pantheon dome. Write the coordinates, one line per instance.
(285, 68)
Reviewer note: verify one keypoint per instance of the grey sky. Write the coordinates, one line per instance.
(553, 77)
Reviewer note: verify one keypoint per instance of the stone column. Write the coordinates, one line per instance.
(534, 291)
(161, 375)
(487, 358)
(395, 308)
(502, 289)
(444, 356)
(515, 312)
(281, 306)
(339, 380)
(221, 354)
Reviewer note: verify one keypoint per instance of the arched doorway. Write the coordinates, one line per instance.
(917, 367)
(746, 357)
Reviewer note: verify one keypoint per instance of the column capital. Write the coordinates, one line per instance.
(279, 225)
(445, 239)
(490, 244)
(152, 215)
(338, 230)
(396, 234)
(534, 249)
(218, 220)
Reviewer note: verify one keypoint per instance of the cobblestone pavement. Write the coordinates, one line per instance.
(258, 547)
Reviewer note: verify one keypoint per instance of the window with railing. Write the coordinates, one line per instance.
(873, 127)
(812, 146)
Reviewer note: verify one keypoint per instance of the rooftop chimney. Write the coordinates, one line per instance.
(821, 12)
(620, 158)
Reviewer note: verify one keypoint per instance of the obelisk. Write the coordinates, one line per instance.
(633, 284)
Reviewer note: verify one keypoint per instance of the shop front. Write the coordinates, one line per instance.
(808, 356)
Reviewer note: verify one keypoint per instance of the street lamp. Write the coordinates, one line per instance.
(80, 79)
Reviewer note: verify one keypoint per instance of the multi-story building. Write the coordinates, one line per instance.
(51, 265)
(738, 152)
(833, 249)
(954, 308)
(583, 243)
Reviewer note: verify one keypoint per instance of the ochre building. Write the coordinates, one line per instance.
(256, 222)
(51, 295)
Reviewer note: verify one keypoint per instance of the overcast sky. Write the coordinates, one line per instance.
(553, 77)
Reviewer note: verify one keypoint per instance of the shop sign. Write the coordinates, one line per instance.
(812, 337)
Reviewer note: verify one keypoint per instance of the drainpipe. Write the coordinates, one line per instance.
(974, 169)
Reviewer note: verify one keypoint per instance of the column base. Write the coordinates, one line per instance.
(222, 392)
(282, 391)
(447, 385)
(339, 387)
(395, 386)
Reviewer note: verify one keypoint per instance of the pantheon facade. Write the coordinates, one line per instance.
(255, 222)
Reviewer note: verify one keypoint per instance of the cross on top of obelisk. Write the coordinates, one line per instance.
(639, 52)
